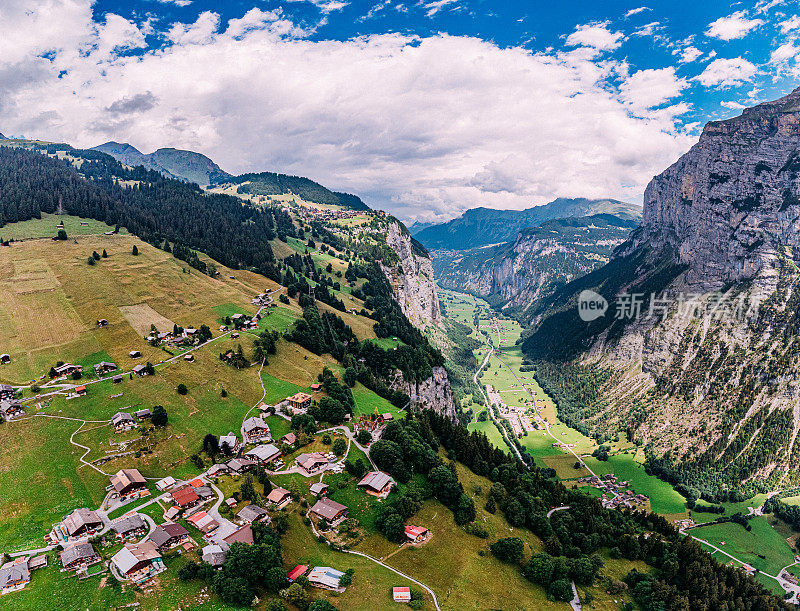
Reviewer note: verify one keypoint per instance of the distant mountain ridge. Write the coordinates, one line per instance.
(483, 226)
(541, 260)
(196, 167)
(173, 163)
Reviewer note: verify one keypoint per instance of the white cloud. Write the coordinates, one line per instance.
(790, 25)
(688, 54)
(596, 36)
(734, 26)
(326, 6)
(434, 6)
(636, 11)
(723, 73)
(733, 105)
(647, 89)
(425, 127)
(176, 2)
(648, 29)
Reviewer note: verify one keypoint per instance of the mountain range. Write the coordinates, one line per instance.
(484, 226)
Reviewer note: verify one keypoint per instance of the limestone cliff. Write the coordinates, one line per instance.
(707, 375)
(412, 279)
(434, 393)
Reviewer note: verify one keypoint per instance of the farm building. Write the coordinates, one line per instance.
(416, 533)
(296, 572)
(117, 379)
(165, 484)
(185, 497)
(252, 513)
(127, 480)
(5, 359)
(102, 322)
(214, 554)
(134, 354)
(14, 575)
(203, 522)
(142, 414)
(129, 526)
(319, 488)
(331, 511)
(122, 421)
(10, 408)
(401, 595)
(139, 562)
(78, 555)
(264, 454)
(80, 522)
(169, 535)
(80, 391)
(280, 497)
(6, 391)
(140, 370)
(377, 483)
(104, 367)
(311, 463)
(299, 400)
(255, 429)
(325, 577)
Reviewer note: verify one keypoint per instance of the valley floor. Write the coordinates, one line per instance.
(768, 547)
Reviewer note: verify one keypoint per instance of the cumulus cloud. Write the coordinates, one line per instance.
(734, 26)
(648, 29)
(596, 36)
(647, 89)
(723, 73)
(423, 126)
(688, 54)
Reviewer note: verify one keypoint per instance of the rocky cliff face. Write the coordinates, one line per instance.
(707, 375)
(537, 263)
(412, 280)
(434, 393)
(731, 203)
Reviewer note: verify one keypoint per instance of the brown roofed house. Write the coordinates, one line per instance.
(329, 510)
(128, 480)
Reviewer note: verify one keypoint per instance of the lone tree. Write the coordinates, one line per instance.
(96, 255)
(211, 444)
(62, 235)
(90, 261)
(182, 390)
(159, 417)
(135, 251)
(105, 254)
(339, 446)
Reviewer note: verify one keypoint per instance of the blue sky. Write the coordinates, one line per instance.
(422, 107)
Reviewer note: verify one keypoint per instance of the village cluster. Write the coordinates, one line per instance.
(196, 504)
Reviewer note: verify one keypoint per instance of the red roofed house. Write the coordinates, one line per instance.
(196, 483)
(80, 390)
(296, 572)
(203, 522)
(416, 533)
(185, 497)
(401, 595)
(299, 400)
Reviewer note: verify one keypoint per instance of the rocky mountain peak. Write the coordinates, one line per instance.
(730, 207)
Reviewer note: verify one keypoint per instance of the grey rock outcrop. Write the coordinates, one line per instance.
(434, 393)
(412, 280)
